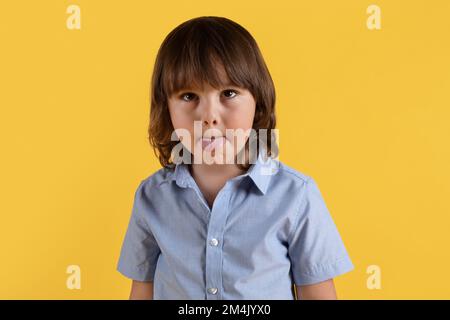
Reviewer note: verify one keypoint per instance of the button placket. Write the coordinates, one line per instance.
(200, 196)
(214, 248)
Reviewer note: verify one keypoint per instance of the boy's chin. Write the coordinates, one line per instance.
(210, 158)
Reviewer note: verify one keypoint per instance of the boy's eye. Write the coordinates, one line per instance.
(187, 96)
(230, 93)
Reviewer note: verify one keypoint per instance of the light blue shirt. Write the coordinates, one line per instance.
(267, 230)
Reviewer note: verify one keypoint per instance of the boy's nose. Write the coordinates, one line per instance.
(209, 113)
(210, 122)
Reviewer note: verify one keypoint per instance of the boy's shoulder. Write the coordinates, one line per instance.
(157, 178)
(287, 172)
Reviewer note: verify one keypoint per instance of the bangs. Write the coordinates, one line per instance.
(187, 75)
(205, 54)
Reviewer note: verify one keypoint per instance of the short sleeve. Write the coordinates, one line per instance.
(316, 250)
(140, 251)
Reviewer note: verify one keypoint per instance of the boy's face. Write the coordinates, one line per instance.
(213, 111)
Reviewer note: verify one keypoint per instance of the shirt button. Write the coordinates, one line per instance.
(214, 242)
(212, 290)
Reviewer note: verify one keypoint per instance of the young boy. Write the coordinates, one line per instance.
(219, 230)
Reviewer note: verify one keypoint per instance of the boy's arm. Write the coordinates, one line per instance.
(141, 290)
(319, 291)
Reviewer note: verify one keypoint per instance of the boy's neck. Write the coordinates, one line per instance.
(215, 171)
(211, 178)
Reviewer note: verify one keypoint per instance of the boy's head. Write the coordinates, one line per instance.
(209, 71)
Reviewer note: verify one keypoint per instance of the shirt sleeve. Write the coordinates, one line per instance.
(316, 250)
(140, 251)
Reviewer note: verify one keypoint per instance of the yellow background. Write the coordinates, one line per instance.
(364, 112)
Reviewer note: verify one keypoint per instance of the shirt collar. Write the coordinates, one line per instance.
(260, 173)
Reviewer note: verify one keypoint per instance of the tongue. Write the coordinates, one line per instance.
(213, 144)
(206, 143)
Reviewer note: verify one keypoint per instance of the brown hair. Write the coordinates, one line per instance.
(188, 56)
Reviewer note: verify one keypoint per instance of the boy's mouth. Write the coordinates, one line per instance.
(210, 143)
